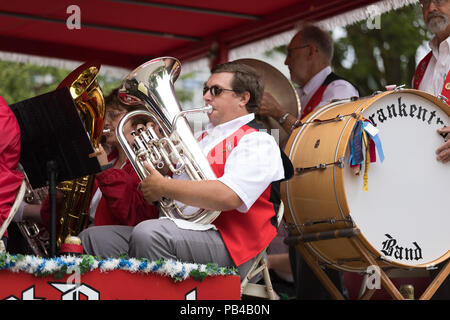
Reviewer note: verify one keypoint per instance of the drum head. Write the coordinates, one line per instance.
(404, 214)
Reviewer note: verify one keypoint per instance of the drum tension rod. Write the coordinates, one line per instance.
(339, 117)
(325, 235)
(346, 260)
(320, 166)
(331, 220)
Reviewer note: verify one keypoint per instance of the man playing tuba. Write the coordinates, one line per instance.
(249, 166)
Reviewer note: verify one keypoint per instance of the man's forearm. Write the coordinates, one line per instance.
(207, 194)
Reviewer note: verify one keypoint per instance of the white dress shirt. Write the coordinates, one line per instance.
(438, 67)
(249, 169)
(338, 89)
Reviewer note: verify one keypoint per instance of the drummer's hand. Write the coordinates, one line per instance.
(443, 152)
(151, 186)
(269, 107)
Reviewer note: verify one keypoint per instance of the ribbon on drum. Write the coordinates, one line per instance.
(365, 132)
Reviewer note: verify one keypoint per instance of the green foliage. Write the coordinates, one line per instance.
(21, 81)
(185, 95)
(379, 57)
(382, 56)
(198, 275)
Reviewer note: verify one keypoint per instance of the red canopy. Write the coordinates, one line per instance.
(127, 33)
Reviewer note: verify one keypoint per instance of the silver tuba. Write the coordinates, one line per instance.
(151, 85)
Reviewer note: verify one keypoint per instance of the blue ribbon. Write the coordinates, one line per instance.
(377, 141)
(356, 145)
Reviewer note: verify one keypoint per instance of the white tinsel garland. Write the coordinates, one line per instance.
(59, 266)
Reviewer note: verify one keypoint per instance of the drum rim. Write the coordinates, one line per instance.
(308, 245)
(299, 131)
(443, 106)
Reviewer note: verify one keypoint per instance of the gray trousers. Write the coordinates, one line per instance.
(159, 238)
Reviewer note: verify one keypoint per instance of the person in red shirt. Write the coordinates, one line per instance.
(249, 166)
(309, 56)
(432, 73)
(116, 199)
(433, 76)
(10, 177)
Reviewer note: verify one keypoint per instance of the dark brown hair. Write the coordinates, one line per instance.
(322, 38)
(245, 79)
(112, 101)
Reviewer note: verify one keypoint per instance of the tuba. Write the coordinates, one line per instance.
(151, 85)
(88, 97)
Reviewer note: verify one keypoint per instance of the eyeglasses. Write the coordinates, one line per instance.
(426, 3)
(215, 90)
(289, 50)
(113, 114)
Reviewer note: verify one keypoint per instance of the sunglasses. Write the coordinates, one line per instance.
(215, 90)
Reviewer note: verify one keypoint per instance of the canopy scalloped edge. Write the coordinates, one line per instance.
(341, 20)
(257, 47)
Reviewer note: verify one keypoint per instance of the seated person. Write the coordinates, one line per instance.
(10, 177)
(250, 167)
(116, 199)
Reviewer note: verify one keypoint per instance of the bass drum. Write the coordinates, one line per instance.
(403, 216)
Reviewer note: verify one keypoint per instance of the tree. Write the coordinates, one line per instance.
(381, 56)
(21, 81)
(374, 58)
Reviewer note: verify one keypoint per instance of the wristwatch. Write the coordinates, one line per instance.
(283, 118)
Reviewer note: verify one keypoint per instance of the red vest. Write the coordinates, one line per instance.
(420, 71)
(317, 96)
(314, 101)
(244, 234)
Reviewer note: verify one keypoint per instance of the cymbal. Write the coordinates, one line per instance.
(281, 89)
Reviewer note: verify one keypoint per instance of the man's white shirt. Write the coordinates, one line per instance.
(438, 67)
(249, 169)
(338, 89)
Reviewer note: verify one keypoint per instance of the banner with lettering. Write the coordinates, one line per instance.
(116, 285)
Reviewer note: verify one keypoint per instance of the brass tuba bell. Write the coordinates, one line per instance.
(88, 97)
(151, 85)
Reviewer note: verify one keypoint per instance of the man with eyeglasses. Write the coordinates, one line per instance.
(432, 73)
(309, 56)
(433, 76)
(249, 166)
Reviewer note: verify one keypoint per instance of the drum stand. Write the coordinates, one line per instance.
(313, 262)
